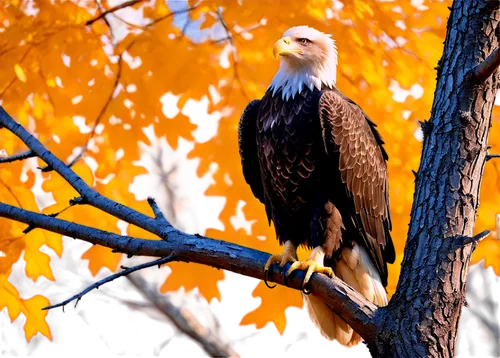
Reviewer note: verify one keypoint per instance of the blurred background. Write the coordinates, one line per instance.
(143, 98)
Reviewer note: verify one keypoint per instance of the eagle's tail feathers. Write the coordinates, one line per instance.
(356, 269)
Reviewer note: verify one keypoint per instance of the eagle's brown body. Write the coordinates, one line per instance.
(292, 165)
(316, 161)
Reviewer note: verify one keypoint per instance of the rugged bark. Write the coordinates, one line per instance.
(423, 315)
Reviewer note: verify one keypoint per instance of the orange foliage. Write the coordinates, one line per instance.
(57, 72)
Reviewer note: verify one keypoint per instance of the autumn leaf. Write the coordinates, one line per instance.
(272, 307)
(191, 276)
(35, 317)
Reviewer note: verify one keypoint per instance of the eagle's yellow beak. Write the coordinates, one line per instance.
(282, 47)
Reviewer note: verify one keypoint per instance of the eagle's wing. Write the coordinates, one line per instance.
(349, 134)
(247, 141)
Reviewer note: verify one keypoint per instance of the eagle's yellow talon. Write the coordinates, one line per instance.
(282, 259)
(310, 266)
(289, 255)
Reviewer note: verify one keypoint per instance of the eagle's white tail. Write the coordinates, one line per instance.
(357, 270)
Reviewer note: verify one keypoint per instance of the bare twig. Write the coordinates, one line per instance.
(108, 24)
(492, 156)
(112, 10)
(90, 195)
(155, 21)
(103, 110)
(466, 240)
(157, 154)
(486, 68)
(20, 156)
(125, 272)
(11, 192)
(355, 309)
(229, 36)
(32, 227)
(156, 210)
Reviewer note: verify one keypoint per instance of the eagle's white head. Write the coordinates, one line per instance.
(308, 58)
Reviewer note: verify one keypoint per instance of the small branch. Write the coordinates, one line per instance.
(112, 10)
(159, 215)
(125, 272)
(93, 198)
(492, 156)
(156, 210)
(230, 38)
(78, 201)
(99, 6)
(160, 19)
(20, 156)
(355, 309)
(11, 192)
(32, 227)
(465, 240)
(486, 68)
(99, 116)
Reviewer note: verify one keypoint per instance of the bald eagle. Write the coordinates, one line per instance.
(317, 163)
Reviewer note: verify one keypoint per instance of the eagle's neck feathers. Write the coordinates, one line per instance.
(293, 81)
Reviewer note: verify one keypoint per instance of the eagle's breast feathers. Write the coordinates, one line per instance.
(320, 143)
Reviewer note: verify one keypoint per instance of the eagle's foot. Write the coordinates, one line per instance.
(310, 266)
(289, 255)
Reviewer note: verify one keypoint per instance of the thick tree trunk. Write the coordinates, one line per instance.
(423, 315)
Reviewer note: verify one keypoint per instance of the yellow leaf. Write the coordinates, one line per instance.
(11, 249)
(193, 275)
(273, 306)
(37, 264)
(20, 72)
(99, 257)
(9, 297)
(36, 318)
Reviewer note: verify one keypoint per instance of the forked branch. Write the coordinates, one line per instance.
(126, 271)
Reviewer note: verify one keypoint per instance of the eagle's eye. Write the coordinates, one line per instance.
(304, 41)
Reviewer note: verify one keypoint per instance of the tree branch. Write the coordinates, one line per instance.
(492, 156)
(112, 10)
(110, 278)
(355, 309)
(164, 17)
(16, 157)
(486, 68)
(229, 37)
(90, 195)
(466, 240)
(99, 6)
